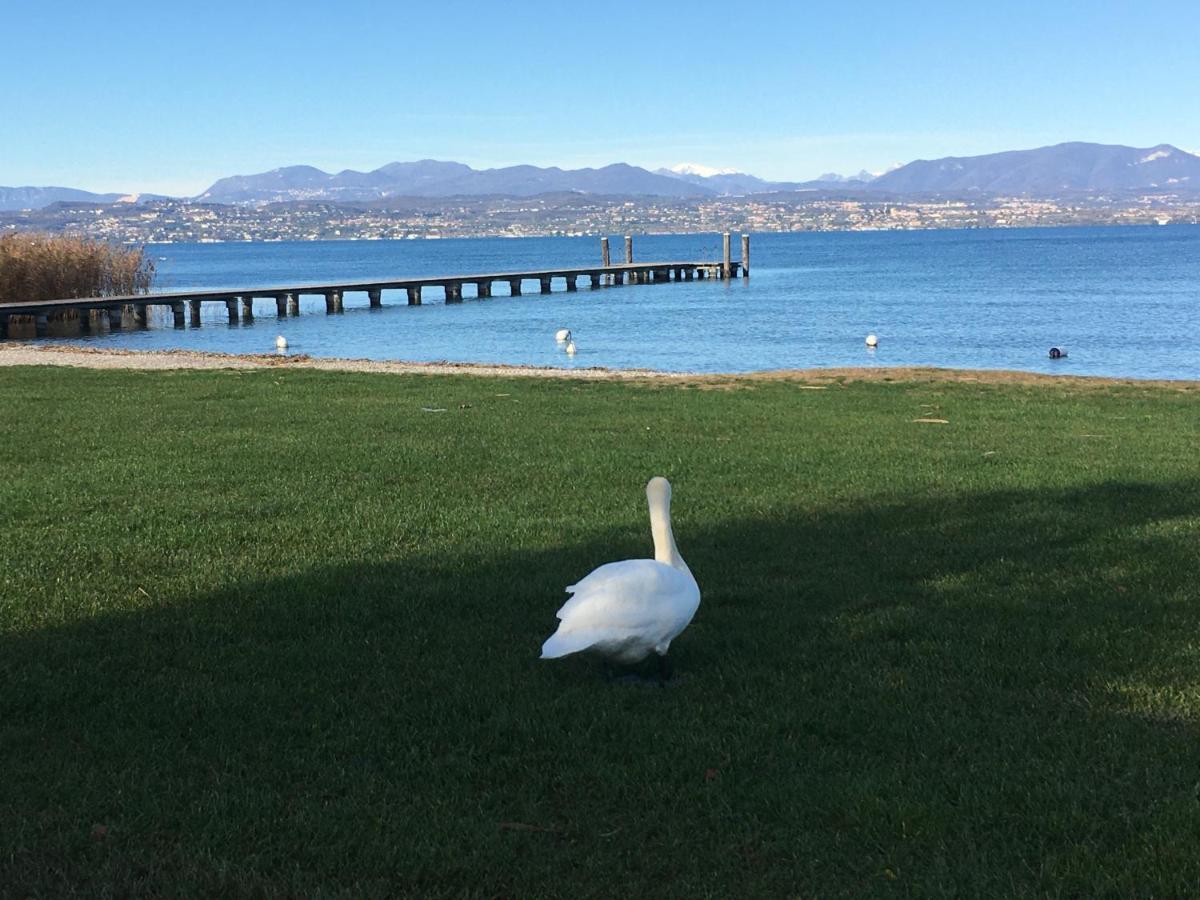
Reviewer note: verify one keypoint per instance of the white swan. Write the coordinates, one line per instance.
(562, 335)
(281, 343)
(570, 348)
(627, 610)
(872, 341)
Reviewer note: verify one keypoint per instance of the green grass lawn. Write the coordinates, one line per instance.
(276, 633)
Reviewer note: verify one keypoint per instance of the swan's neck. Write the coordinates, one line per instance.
(665, 550)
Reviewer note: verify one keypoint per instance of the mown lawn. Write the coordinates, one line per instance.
(276, 633)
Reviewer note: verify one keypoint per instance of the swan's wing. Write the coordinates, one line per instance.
(626, 593)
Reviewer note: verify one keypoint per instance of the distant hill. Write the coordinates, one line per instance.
(15, 198)
(1049, 171)
(432, 178)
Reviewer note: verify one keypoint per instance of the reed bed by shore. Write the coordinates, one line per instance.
(37, 266)
(275, 631)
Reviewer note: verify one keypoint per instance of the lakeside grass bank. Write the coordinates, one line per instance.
(276, 632)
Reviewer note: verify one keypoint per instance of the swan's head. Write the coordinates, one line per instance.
(658, 491)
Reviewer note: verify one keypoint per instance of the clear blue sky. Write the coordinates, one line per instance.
(169, 96)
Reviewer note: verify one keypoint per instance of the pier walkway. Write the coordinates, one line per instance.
(73, 315)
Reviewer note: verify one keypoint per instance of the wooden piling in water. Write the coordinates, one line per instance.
(545, 281)
(483, 290)
(414, 295)
(454, 292)
(293, 304)
(64, 323)
(726, 256)
(514, 287)
(194, 313)
(604, 257)
(177, 314)
(231, 306)
(22, 326)
(375, 298)
(247, 309)
(745, 256)
(629, 249)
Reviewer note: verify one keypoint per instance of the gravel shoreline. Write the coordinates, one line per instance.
(24, 354)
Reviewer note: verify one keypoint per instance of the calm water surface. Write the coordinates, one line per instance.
(1123, 301)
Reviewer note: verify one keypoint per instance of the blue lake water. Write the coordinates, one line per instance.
(1122, 301)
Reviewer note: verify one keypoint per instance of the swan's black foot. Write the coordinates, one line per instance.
(618, 675)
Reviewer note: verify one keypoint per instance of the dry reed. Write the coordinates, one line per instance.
(51, 267)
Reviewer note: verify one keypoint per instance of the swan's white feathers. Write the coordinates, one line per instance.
(625, 610)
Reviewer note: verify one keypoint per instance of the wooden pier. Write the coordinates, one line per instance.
(68, 316)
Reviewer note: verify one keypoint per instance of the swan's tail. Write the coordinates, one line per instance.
(559, 644)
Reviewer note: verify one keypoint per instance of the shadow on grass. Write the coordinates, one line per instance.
(992, 693)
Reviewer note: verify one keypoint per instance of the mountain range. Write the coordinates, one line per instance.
(1048, 172)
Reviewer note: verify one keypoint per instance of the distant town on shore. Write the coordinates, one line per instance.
(1067, 184)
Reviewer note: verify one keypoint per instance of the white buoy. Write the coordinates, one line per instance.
(872, 341)
(281, 343)
(562, 335)
(570, 348)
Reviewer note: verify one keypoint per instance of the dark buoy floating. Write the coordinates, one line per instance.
(1058, 353)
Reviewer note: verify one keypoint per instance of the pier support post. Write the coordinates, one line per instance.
(333, 302)
(375, 298)
(64, 323)
(281, 306)
(97, 320)
(115, 319)
(689, 274)
(338, 305)
(727, 268)
(454, 292)
(293, 304)
(597, 279)
(545, 279)
(414, 295)
(618, 277)
(483, 290)
(128, 316)
(605, 259)
(177, 313)
(22, 326)
(629, 249)
(745, 256)
(194, 312)
(514, 287)
(231, 306)
(140, 317)
(701, 273)
(571, 282)
(248, 309)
